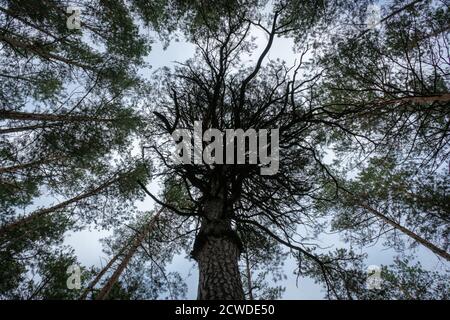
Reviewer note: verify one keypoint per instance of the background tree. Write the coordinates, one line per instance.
(386, 90)
(393, 202)
(402, 280)
(261, 265)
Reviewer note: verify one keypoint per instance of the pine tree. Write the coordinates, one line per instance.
(74, 106)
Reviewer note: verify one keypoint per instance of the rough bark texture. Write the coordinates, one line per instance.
(219, 271)
(217, 248)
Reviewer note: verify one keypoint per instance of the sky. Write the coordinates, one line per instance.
(89, 249)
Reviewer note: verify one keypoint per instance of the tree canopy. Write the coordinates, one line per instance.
(353, 139)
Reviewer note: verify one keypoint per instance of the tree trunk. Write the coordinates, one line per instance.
(99, 275)
(27, 128)
(104, 292)
(249, 276)
(216, 249)
(440, 252)
(28, 165)
(43, 212)
(219, 272)
(31, 116)
(15, 42)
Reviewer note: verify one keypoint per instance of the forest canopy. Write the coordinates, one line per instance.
(357, 128)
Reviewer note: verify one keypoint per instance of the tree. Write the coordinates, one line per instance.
(261, 265)
(131, 250)
(376, 99)
(395, 200)
(68, 146)
(69, 114)
(214, 90)
(386, 91)
(402, 280)
(217, 90)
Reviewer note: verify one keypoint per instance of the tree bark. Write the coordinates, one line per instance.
(219, 272)
(30, 116)
(28, 165)
(249, 276)
(43, 212)
(104, 292)
(440, 252)
(216, 249)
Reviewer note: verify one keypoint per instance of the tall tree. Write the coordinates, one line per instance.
(404, 279)
(217, 90)
(311, 107)
(386, 200)
(73, 108)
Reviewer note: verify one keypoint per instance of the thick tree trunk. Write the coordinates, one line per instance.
(219, 272)
(217, 248)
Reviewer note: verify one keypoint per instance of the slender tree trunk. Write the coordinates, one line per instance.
(43, 212)
(27, 128)
(103, 294)
(445, 97)
(249, 276)
(440, 252)
(27, 165)
(99, 275)
(41, 51)
(217, 248)
(30, 116)
(40, 287)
